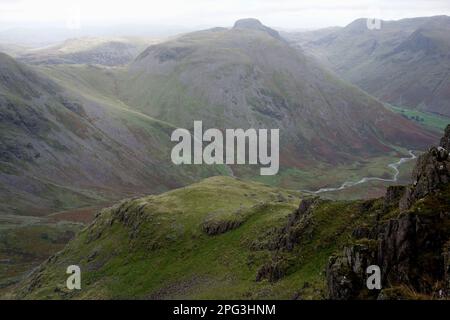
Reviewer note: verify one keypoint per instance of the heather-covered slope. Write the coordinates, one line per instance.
(405, 63)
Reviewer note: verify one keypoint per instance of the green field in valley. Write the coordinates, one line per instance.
(430, 120)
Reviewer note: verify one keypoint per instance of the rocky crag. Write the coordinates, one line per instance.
(409, 239)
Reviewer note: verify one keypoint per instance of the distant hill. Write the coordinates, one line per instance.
(12, 49)
(61, 150)
(405, 63)
(249, 76)
(101, 51)
(83, 134)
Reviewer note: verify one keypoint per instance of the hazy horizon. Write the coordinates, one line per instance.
(49, 21)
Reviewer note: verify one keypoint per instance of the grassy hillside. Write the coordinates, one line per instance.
(215, 239)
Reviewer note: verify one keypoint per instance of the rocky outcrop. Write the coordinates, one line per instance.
(431, 173)
(412, 249)
(409, 250)
(346, 272)
(284, 239)
(255, 24)
(393, 196)
(446, 255)
(216, 227)
(296, 225)
(273, 270)
(445, 141)
(219, 222)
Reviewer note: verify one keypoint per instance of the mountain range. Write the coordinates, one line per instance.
(88, 122)
(405, 63)
(78, 134)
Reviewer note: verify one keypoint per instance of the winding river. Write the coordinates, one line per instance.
(394, 166)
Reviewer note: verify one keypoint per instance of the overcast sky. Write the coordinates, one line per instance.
(289, 14)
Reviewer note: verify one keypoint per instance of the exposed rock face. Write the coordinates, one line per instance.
(445, 141)
(344, 273)
(402, 244)
(213, 228)
(285, 239)
(411, 250)
(447, 267)
(272, 271)
(431, 172)
(295, 226)
(255, 24)
(393, 195)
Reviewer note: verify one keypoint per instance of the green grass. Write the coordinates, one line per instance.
(155, 247)
(429, 120)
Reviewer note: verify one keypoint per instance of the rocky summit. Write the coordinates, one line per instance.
(255, 24)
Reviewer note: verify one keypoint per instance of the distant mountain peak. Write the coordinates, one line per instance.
(255, 24)
(249, 23)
